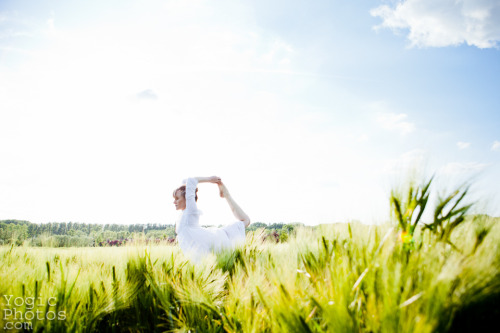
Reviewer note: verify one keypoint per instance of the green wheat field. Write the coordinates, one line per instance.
(402, 276)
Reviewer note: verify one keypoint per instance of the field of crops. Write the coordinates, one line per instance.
(336, 278)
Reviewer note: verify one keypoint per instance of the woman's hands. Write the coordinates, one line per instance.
(222, 187)
(215, 180)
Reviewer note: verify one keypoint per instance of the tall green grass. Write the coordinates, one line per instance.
(337, 278)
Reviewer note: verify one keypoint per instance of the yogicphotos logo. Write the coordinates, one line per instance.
(20, 312)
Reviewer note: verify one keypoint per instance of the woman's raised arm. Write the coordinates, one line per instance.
(191, 184)
(237, 211)
(213, 179)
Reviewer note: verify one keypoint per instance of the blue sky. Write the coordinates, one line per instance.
(309, 112)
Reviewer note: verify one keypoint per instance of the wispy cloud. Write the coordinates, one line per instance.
(463, 145)
(147, 94)
(395, 122)
(12, 27)
(456, 168)
(407, 161)
(495, 146)
(438, 23)
(279, 52)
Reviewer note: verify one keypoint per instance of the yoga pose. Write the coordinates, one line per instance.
(196, 241)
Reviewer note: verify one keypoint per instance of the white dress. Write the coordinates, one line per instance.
(195, 241)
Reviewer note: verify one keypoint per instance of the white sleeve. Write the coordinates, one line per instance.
(191, 184)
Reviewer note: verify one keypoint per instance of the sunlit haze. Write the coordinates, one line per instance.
(309, 111)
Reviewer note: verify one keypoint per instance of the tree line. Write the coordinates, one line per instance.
(67, 234)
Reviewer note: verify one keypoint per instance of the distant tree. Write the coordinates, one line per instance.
(256, 225)
(275, 226)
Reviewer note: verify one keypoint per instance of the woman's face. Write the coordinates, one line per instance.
(179, 201)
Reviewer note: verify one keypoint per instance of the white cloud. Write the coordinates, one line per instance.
(11, 28)
(438, 23)
(456, 168)
(279, 52)
(411, 160)
(495, 146)
(463, 145)
(395, 122)
(147, 94)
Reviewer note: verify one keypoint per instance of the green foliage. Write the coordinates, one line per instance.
(449, 212)
(335, 278)
(409, 210)
(256, 225)
(82, 235)
(78, 234)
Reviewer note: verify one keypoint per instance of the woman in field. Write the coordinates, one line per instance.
(196, 241)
